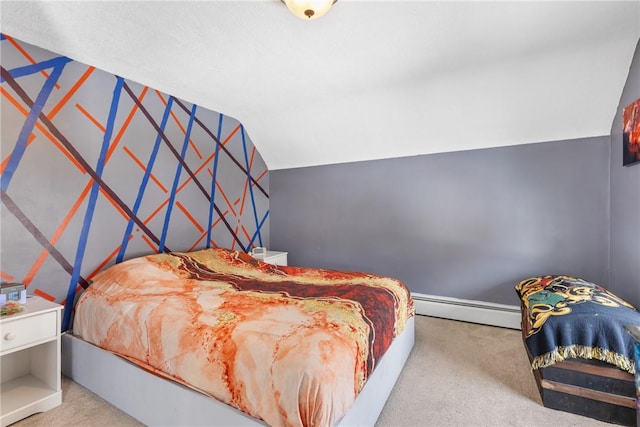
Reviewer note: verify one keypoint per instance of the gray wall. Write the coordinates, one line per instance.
(465, 224)
(625, 202)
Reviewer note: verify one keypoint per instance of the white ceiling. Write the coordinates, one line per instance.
(369, 80)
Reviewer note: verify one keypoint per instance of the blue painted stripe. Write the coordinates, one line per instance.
(253, 201)
(176, 180)
(27, 127)
(255, 234)
(27, 70)
(145, 180)
(213, 181)
(86, 225)
(2, 37)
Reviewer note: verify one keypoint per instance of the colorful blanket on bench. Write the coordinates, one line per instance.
(565, 317)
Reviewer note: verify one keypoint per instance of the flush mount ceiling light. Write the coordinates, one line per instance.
(309, 9)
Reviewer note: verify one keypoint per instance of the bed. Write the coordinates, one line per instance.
(581, 354)
(216, 337)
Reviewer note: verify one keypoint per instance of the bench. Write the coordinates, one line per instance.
(581, 355)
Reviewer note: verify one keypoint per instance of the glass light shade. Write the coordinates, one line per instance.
(309, 9)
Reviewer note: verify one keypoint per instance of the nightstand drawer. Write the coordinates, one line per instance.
(25, 330)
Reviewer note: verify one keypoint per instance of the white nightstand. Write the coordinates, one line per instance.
(30, 360)
(272, 257)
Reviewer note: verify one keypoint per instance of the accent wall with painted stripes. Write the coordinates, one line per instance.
(97, 169)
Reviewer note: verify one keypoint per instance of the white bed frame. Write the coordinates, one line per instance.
(156, 401)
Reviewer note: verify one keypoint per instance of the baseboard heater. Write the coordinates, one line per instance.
(486, 313)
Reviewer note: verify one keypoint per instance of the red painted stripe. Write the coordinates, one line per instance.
(91, 118)
(144, 168)
(115, 204)
(126, 124)
(5, 162)
(26, 55)
(154, 213)
(6, 276)
(188, 215)
(226, 199)
(70, 93)
(42, 129)
(179, 124)
(57, 234)
(152, 245)
(44, 295)
(244, 230)
(62, 227)
(112, 255)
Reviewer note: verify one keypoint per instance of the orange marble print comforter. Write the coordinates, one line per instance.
(290, 346)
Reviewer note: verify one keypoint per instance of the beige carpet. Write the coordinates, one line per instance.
(459, 374)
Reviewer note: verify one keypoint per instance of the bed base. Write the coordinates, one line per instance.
(590, 388)
(157, 401)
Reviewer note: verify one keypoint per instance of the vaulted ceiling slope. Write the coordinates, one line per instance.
(369, 80)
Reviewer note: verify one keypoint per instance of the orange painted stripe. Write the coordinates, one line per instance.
(6, 276)
(44, 295)
(188, 215)
(184, 184)
(112, 255)
(43, 255)
(262, 175)
(126, 123)
(244, 195)
(42, 129)
(5, 162)
(91, 118)
(210, 172)
(184, 131)
(189, 178)
(60, 147)
(55, 110)
(204, 163)
(113, 202)
(195, 245)
(244, 230)
(152, 245)
(144, 168)
(233, 132)
(57, 234)
(233, 244)
(150, 217)
(26, 55)
(226, 199)
(247, 181)
(204, 234)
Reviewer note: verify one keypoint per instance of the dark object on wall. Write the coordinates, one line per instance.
(631, 133)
